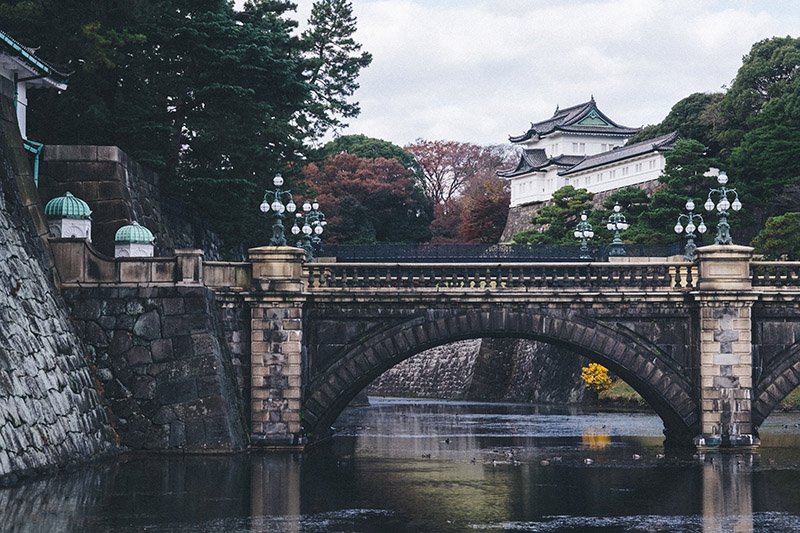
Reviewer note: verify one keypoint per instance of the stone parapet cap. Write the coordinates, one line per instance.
(724, 250)
(272, 253)
(277, 268)
(724, 267)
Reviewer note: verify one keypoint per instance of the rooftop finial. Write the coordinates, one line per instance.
(556, 111)
(591, 98)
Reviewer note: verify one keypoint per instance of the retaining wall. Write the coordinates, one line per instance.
(164, 365)
(50, 413)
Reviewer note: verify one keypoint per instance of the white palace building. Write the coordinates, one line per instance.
(582, 147)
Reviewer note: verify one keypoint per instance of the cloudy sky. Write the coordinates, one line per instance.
(480, 70)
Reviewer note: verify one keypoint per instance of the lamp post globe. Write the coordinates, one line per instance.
(617, 224)
(310, 225)
(583, 232)
(723, 193)
(278, 208)
(690, 217)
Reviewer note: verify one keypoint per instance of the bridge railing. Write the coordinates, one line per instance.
(775, 274)
(511, 276)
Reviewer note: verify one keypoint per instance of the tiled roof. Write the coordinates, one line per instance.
(535, 159)
(661, 143)
(569, 120)
(48, 74)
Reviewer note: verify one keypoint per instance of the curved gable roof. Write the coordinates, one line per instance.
(533, 160)
(40, 71)
(581, 118)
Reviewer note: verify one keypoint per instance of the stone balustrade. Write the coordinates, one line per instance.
(506, 276)
(775, 274)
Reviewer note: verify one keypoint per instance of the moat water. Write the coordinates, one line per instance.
(403, 465)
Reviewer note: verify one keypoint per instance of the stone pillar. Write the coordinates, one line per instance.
(725, 301)
(190, 266)
(276, 318)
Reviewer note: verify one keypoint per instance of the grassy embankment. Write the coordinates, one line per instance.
(621, 393)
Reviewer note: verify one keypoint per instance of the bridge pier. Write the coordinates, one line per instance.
(725, 302)
(276, 313)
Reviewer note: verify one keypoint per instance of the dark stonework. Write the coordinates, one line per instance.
(776, 355)
(513, 370)
(443, 372)
(235, 320)
(168, 378)
(518, 370)
(648, 344)
(50, 414)
(119, 190)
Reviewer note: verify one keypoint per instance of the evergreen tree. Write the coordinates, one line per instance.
(367, 147)
(771, 70)
(778, 239)
(207, 96)
(692, 117)
(558, 218)
(334, 60)
(683, 178)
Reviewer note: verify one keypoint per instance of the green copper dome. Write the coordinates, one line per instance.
(67, 206)
(133, 233)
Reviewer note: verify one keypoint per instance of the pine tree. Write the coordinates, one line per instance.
(334, 60)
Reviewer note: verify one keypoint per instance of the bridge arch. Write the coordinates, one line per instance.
(775, 383)
(640, 363)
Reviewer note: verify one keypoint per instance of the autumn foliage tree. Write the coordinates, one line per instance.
(470, 202)
(368, 200)
(484, 210)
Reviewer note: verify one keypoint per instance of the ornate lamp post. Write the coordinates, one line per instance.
(313, 224)
(689, 251)
(583, 231)
(278, 208)
(617, 223)
(723, 228)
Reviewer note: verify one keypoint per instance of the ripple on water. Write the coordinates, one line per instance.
(773, 522)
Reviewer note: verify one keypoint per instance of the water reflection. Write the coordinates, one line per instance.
(727, 491)
(437, 466)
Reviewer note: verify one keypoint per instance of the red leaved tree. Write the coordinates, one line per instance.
(470, 201)
(369, 200)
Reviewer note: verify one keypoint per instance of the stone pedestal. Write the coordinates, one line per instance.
(276, 314)
(726, 361)
(190, 266)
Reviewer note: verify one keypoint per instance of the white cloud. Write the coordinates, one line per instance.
(475, 70)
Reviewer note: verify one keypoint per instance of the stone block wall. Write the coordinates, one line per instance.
(519, 217)
(235, 317)
(514, 370)
(441, 372)
(163, 363)
(276, 381)
(531, 372)
(50, 413)
(119, 190)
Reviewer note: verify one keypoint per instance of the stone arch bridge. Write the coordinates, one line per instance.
(713, 346)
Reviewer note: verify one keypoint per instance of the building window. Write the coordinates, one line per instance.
(583, 148)
(613, 174)
(575, 147)
(603, 147)
(624, 171)
(652, 164)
